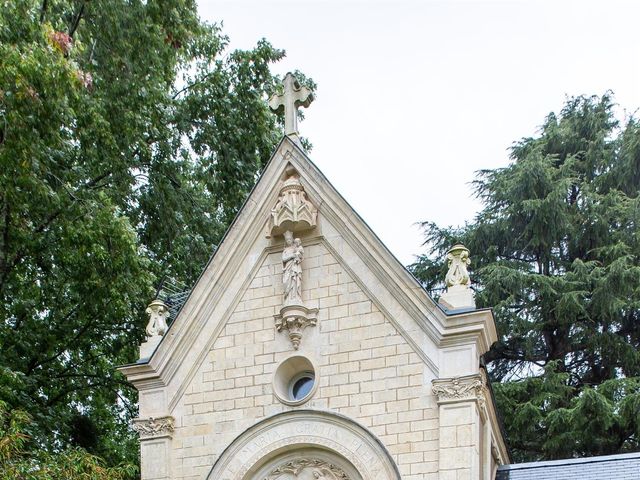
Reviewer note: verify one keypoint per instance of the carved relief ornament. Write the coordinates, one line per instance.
(158, 314)
(469, 387)
(319, 469)
(294, 319)
(459, 293)
(458, 260)
(154, 427)
(293, 210)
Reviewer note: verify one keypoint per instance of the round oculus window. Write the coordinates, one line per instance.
(295, 380)
(301, 386)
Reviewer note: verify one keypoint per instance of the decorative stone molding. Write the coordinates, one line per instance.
(294, 319)
(158, 313)
(319, 469)
(154, 427)
(305, 429)
(468, 387)
(495, 452)
(293, 210)
(459, 293)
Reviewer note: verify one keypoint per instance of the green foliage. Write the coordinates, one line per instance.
(556, 253)
(20, 459)
(129, 137)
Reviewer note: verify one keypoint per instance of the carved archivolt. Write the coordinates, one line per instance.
(154, 427)
(469, 387)
(305, 435)
(319, 469)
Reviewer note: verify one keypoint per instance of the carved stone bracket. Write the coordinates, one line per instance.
(456, 389)
(319, 469)
(495, 452)
(294, 319)
(154, 427)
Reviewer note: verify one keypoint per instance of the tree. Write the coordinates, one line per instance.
(20, 459)
(556, 253)
(129, 136)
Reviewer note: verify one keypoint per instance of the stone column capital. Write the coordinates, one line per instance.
(152, 427)
(460, 389)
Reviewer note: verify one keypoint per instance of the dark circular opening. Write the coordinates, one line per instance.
(302, 387)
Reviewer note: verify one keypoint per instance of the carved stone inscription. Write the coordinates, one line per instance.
(345, 440)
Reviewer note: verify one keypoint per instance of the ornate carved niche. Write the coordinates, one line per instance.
(308, 469)
(293, 210)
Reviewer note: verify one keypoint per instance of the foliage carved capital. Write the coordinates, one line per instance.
(468, 387)
(154, 427)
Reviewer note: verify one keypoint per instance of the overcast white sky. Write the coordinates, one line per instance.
(415, 96)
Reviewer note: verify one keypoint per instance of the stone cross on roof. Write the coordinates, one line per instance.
(294, 96)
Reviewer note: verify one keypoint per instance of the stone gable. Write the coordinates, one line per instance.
(366, 371)
(394, 385)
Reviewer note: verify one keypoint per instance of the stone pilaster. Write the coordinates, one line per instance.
(155, 446)
(461, 402)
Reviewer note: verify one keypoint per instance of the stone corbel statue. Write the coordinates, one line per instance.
(292, 269)
(459, 293)
(292, 212)
(294, 316)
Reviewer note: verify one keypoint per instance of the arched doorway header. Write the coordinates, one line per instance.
(299, 429)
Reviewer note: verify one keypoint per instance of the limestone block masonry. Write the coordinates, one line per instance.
(366, 371)
(382, 383)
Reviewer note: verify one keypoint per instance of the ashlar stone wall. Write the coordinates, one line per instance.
(365, 370)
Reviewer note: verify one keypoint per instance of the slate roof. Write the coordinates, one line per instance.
(610, 467)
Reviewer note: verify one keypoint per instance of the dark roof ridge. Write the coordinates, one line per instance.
(570, 461)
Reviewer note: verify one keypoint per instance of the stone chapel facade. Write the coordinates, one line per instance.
(307, 351)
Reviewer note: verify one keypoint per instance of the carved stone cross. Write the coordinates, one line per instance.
(294, 96)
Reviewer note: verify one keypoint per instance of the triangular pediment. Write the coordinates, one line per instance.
(343, 235)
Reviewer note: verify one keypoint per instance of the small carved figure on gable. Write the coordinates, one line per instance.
(292, 268)
(458, 260)
(158, 313)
